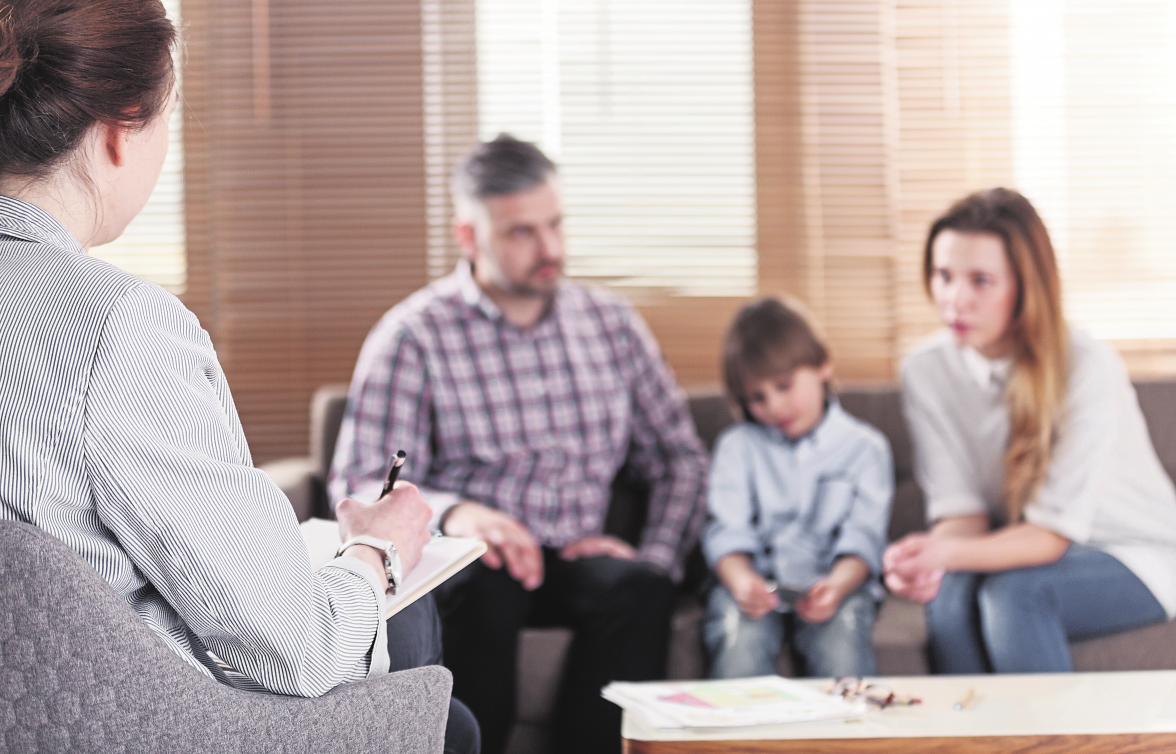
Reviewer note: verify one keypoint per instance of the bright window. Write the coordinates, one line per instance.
(647, 107)
(152, 246)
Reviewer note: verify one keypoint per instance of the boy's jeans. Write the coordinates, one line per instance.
(739, 647)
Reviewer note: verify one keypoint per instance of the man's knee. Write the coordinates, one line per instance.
(485, 591)
(648, 587)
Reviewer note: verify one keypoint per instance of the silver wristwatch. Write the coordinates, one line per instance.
(391, 557)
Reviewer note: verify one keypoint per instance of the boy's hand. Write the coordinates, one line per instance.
(820, 603)
(747, 587)
(752, 595)
(825, 596)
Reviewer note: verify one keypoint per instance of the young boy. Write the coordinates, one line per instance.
(799, 500)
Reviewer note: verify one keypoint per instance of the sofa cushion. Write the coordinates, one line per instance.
(1157, 399)
(1147, 648)
(881, 407)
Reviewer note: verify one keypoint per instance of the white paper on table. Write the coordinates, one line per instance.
(764, 700)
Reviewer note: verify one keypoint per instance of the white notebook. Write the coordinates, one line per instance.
(441, 558)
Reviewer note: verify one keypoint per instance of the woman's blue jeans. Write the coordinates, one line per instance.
(740, 647)
(1022, 620)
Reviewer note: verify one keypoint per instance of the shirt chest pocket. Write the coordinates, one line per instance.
(832, 502)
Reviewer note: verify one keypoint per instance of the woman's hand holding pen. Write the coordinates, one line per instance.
(508, 540)
(402, 516)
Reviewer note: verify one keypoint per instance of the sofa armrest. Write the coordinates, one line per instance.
(296, 478)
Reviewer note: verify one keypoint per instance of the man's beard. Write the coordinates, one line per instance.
(526, 288)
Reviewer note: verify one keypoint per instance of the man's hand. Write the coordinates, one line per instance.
(508, 540)
(589, 547)
(747, 587)
(402, 516)
(915, 565)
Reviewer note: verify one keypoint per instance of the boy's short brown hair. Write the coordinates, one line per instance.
(767, 338)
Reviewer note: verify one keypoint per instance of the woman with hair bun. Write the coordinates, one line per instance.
(1052, 518)
(118, 432)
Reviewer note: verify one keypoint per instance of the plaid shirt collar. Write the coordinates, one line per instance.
(476, 299)
(472, 294)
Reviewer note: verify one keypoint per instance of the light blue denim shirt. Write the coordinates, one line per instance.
(797, 505)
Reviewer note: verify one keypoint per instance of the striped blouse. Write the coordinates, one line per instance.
(118, 436)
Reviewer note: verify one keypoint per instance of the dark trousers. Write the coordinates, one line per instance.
(618, 610)
(414, 640)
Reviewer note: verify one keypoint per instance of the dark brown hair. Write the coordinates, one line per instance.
(767, 338)
(66, 65)
(1036, 391)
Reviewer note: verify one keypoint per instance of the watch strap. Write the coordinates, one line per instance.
(383, 545)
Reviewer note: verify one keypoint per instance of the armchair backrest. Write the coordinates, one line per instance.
(326, 416)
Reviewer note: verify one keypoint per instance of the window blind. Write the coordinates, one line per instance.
(647, 107)
(304, 190)
(709, 150)
(907, 106)
(1094, 129)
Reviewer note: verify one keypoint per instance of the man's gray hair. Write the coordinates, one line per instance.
(505, 165)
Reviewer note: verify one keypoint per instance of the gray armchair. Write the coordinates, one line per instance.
(79, 672)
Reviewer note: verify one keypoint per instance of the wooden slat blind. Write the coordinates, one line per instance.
(450, 85)
(906, 105)
(647, 107)
(305, 192)
(952, 73)
(709, 148)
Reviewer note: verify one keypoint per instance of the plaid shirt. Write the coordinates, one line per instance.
(535, 423)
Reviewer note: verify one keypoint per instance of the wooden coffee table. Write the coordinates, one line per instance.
(1074, 712)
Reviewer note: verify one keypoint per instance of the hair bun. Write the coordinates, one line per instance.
(10, 60)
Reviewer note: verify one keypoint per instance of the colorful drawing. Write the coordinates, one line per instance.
(712, 697)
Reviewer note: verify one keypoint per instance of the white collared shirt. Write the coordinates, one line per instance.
(989, 374)
(1105, 486)
(795, 506)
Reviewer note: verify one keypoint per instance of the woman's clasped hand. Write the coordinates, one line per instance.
(915, 565)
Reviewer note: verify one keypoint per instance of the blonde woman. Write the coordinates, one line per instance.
(1052, 518)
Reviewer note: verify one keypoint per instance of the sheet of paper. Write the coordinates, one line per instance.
(765, 700)
(441, 558)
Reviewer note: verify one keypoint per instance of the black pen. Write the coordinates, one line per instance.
(393, 472)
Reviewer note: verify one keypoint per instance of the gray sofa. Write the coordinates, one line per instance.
(900, 633)
(79, 672)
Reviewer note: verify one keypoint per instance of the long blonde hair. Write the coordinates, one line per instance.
(1036, 390)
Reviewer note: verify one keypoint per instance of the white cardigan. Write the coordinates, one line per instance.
(1105, 487)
